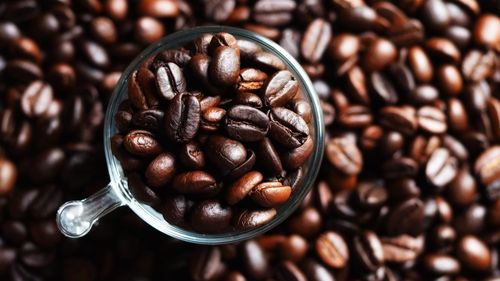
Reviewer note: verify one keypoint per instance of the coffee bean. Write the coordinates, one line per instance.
(241, 187)
(402, 76)
(371, 195)
(287, 128)
(431, 119)
(225, 66)
(379, 53)
(148, 30)
(316, 272)
(355, 116)
(141, 191)
(436, 14)
(306, 223)
(226, 154)
(218, 10)
(477, 65)
(272, 13)
(254, 260)
(269, 157)
(344, 155)
(441, 264)
(250, 79)
(403, 248)
(441, 167)
(195, 182)
(161, 170)
(401, 119)
(249, 219)
(8, 176)
(486, 31)
(245, 123)
(474, 253)
(462, 189)
(443, 49)
(174, 209)
(210, 216)
(356, 85)
(289, 271)
(294, 248)
(182, 118)
(295, 158)
(315, 40)
(158, 8)
(368, 250)
(270, 194)
(206, 264)
(36, 99)
(212, 119)
(344, 46)
(248, 98)
(424, 94)
(280, 89)
(170, 80)
(487, 166)
(471, 220)
(332, 249)
(450, 79)
(406, 218)
(383, 88)
(142, 143)
(420, 64)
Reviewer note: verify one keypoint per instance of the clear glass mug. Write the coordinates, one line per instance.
(75, 218)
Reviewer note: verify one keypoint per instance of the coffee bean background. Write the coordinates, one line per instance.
(409, 188)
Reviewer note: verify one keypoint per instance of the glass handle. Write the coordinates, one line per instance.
(75, 218)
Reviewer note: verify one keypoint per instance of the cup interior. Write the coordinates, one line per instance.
(154, 218)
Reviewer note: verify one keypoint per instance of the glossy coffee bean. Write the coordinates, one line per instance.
(182, 118)
(249, 219)
(486, 166)
(8, 176)
(287, 128)
(245, 123)
(368, 250)
(270, 194)
(441, 264)
(315, 40)
(161, 170)
(441, 167)
(332, 249)
(142, 143)
(474, 253)
(210, 216)
(280, 89)
(196, 183)
(226, 154)
(406, 218)
(170, 80)
(225, 66)
(344, 155)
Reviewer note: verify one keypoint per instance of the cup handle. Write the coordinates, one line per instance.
(76, 218)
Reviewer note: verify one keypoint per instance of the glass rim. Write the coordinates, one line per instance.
(119, 185)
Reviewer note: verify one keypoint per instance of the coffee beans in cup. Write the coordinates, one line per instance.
(214, 135)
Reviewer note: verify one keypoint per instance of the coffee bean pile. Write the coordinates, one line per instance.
(247, 135)
(409, 186)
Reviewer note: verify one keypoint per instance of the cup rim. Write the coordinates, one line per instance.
(119, 184)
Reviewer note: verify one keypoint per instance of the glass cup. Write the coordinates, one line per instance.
(75, 218)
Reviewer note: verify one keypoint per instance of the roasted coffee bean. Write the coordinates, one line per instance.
(436, 14)
(356, 85)
(462, 189)
(344, 155)
(250, 79)
(371, 195)
(272, 13)
(294, 248)
(293, 159)
(280, 89)
(268, 157)
(174, 209)
(315, 40)
(248, 98)
(289, 271)
(8, 176)
(161, 170)
(210, 216)
(36, 99)
(478, 65)
(406, 218)
(420, 64)
(148, 30)
(486, 31)
(355, 116)
(383, 88)
(245, 123)
(142, 143)
(332, 249)
(225, 66)
(441, 264)
(206, 264)
(182, 118)
(141, 191)
(306, 223)
(344, 46)
(254, 260)
(226, 154)
(316, 272)
(249, 219)
(196, 183)
(287, 128)
(487, 165)
(378, 54)
(431, 119)
(158, 8)
(474, 253)
(441, 167)
(368, 250)
(403, 248)
(471, 220)
(270, 194)
(401, 119)
(218, 10)
(241, 187)
(170, 80)
(212, 119)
